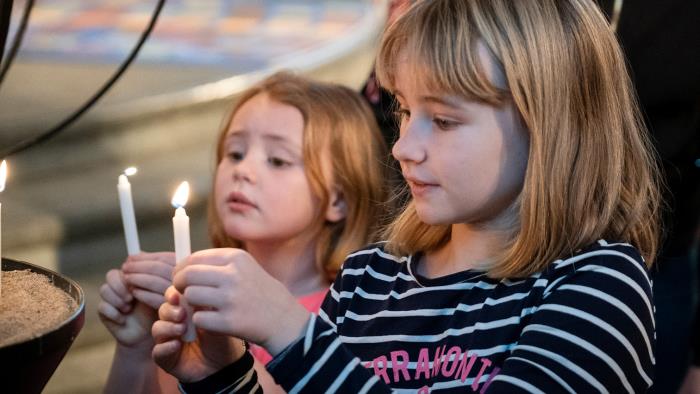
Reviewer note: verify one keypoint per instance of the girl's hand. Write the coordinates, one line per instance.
(127, 320)
(149, 275)
(193, 361)
(234, 296)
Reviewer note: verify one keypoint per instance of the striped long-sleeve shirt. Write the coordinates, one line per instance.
(585, 324)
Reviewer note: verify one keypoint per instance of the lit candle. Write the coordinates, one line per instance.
(181, 230)
(127, 208)
(181, 223)
(3, 176)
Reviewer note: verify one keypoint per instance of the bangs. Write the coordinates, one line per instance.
(418, 38)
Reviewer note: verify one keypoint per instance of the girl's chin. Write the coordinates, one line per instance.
(248, 234)
(433, 219)
(238, 232)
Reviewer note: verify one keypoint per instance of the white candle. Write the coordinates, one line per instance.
(126, 204)
(181, 231)
(3, 176)
(181, 223)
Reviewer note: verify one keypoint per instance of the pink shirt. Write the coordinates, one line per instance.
(312, 302)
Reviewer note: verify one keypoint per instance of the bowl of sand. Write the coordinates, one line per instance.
(41, 314)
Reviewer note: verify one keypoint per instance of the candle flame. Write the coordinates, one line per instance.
(181, 195)
(131, 171)
(3, 175)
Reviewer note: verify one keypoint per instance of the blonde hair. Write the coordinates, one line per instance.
(591, 171)
(337, 121)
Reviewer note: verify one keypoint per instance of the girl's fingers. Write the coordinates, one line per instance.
(151, 283)
(110, 296)
(171, 313)
(115, 279)
(214, 257)
(154, 300)
(203, 296)
(165, 257)
(150, 267)
(164, 331)
(218, 257)
(172, 296)
(110, 313)
(163, 353)
(199, 275)
(211, 321)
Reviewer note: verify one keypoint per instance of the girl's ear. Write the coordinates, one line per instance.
(337, 208)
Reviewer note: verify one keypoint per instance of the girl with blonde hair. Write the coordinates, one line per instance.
(298, 185)
(519, 263)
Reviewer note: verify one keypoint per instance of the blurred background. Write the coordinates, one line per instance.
(60, 207)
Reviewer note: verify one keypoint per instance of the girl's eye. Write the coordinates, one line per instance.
(277, 162)
(402, 114)
(235, 156)
(444, 124)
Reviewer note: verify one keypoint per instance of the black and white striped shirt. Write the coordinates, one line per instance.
(585, 324)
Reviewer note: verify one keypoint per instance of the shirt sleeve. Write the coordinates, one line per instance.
(593, 332)
(319, 362)
(238, 377)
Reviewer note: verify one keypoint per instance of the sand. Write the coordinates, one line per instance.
(30, 306)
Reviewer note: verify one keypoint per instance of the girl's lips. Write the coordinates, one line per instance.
(420, 188)
(239, 202)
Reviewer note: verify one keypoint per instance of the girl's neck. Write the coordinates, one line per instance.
(471, 246)
(290, 262)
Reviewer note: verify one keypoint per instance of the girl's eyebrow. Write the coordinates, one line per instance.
(268, 136)
(231, 134)
(452, 103)
(276, 137)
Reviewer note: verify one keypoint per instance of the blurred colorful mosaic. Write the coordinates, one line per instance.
(197, 32)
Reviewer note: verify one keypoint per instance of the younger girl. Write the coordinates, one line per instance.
(298, 185)
(519, 265)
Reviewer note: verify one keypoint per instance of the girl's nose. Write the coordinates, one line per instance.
(244, 170)
(409, 146)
